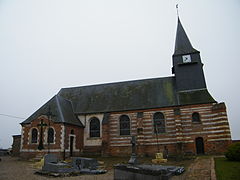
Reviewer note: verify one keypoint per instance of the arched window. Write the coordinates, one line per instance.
(34, 135)
(94, 127)
(124, 125)
(50, 135)
(159, 123)
(196, 117)
(72, 131)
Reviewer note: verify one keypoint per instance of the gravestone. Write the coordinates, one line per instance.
(159, 159)
(86, 165)
(79, 165)
(143, 172)
(52, 165)
(50, 158)
(133, 170)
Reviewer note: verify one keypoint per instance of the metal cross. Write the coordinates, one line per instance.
(40, 146)
(49, 115)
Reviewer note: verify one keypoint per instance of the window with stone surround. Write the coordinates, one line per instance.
(159, 123)
(94, 127)
(50, 138)
(124, 123)
(196, 117)
(34, 135)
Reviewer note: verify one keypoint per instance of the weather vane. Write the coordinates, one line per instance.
(177, 9)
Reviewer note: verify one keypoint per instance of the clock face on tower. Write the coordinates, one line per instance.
(186, 58)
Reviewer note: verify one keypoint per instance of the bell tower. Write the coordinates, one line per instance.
(187, 65)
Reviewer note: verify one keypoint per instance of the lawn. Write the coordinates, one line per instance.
(227, 170)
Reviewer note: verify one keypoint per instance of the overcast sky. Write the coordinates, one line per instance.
(49, 44)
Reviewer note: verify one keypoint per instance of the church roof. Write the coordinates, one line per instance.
(182, 43)
(60, 108)
(122, 96)
(115, 97)
(199, 96)
(131, 95)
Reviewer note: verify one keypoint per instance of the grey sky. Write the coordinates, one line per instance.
(49, 44)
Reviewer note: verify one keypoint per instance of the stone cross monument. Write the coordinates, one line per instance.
(133, 159)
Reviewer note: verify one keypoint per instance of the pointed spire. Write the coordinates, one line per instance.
(182, 43)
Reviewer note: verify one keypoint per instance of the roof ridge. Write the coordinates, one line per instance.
(59, 108)
(113, 83)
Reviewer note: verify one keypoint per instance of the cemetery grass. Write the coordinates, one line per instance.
(227, 170)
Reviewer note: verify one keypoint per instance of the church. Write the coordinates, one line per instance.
(175, 114)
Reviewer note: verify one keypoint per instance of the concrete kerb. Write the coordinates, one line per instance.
(213, 173)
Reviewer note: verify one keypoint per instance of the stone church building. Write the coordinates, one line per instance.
(176, 114)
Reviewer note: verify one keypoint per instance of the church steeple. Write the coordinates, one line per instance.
(182, 43)
(187, 65)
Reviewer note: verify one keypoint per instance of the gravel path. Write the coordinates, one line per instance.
(201, 169)
(13, 169)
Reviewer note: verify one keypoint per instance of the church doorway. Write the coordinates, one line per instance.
(71, 145)
(199, 145)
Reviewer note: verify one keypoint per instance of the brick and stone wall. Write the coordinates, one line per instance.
(61, 143)
(77, 140)
(181, 131)
(179, 137)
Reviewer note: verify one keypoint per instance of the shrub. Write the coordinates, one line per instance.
(233, 152)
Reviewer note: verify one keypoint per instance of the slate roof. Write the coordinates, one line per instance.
(121, 96)
(182, 43)
(200, 96)
(61, 110)
(131, 95)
